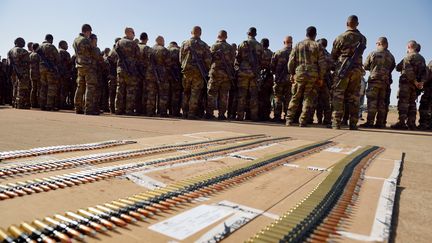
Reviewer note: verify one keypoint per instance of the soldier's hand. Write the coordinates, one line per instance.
(292, 79)
(419, 85)
(319, 82)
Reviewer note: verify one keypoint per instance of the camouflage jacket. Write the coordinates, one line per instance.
(279, 64)
(19, 62)
(307, 61)
(202, 51)
(380, 63)
(112, 59)
(49, 57)
(145, 66)
(34, 66)
(412, 68)
(65, 64)
(175, 68)
(344, 46)
(128, 56)
(223, 56)
(266, 59)
(249, 56)
(161, 60)
(84, 51)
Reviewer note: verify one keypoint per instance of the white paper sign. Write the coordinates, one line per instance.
(188, 223)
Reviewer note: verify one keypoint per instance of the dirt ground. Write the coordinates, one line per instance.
(22, 129)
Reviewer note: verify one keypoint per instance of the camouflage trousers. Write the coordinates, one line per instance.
(163, 97)
(175, 97)
(150, 97)
(407, 109)
(127, 86)
(23, 92)
(217, 95)
(348, 90)
(192, 88)
(264, 99)
(49, 88)
(425, 107)
(322, 105)
(112, 89)
(376, 102)
(247, 85)
(302, 90)
(282, 97)
(232, 101)
(34, 93)
(85, 92)
(63, 92)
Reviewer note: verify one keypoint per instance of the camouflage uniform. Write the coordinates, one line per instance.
(127, 80)
(162, 61)
(249, 59)
(266, 89)
(35, 78)
(49, 60)
(380, 63)
(112, 79)
(65, 87)
(193, 82)
(19, 61)
(101, 71)
(221, 76)
(425, 107)
(149, 84)
(87, 75)
(308, 65)
(412, 68)
(282, 86)
(349, 87)
(174, 77)
(322, 101)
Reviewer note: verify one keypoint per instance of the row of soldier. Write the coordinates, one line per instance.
(242, 82)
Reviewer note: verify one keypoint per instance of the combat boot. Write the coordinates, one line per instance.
(400, 126)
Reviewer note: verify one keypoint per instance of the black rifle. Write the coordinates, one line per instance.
(47, 63)
(199, 63)
(348, 63)
(155, 68)
(124, 60)
(14, 67)
(228, 68)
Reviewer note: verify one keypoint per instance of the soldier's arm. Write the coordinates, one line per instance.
(207, 56)
(399, 66)
(273, 62)
(322, 63)
(367, 64)
(393, 63)
(335, 53)
(292, 62)
(409, 67)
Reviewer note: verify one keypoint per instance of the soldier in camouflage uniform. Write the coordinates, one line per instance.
(150, 81)
(307, 67)
(349, 87)
(65, 69)
(413, 76)
(282, 86)
(18, 59)
(221, 76)
(127, 73)
(112, 59)
(266, 90)
(49, 61)
(322, 101)
(174, 78)
(380, 63)
(425, 107)
(161, 60)
(86, 73)
(194, 53)
(34, 76)
(249, 58)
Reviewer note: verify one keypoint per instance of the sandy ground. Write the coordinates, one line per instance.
(21, 129)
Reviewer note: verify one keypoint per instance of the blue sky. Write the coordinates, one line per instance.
(398, 20)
